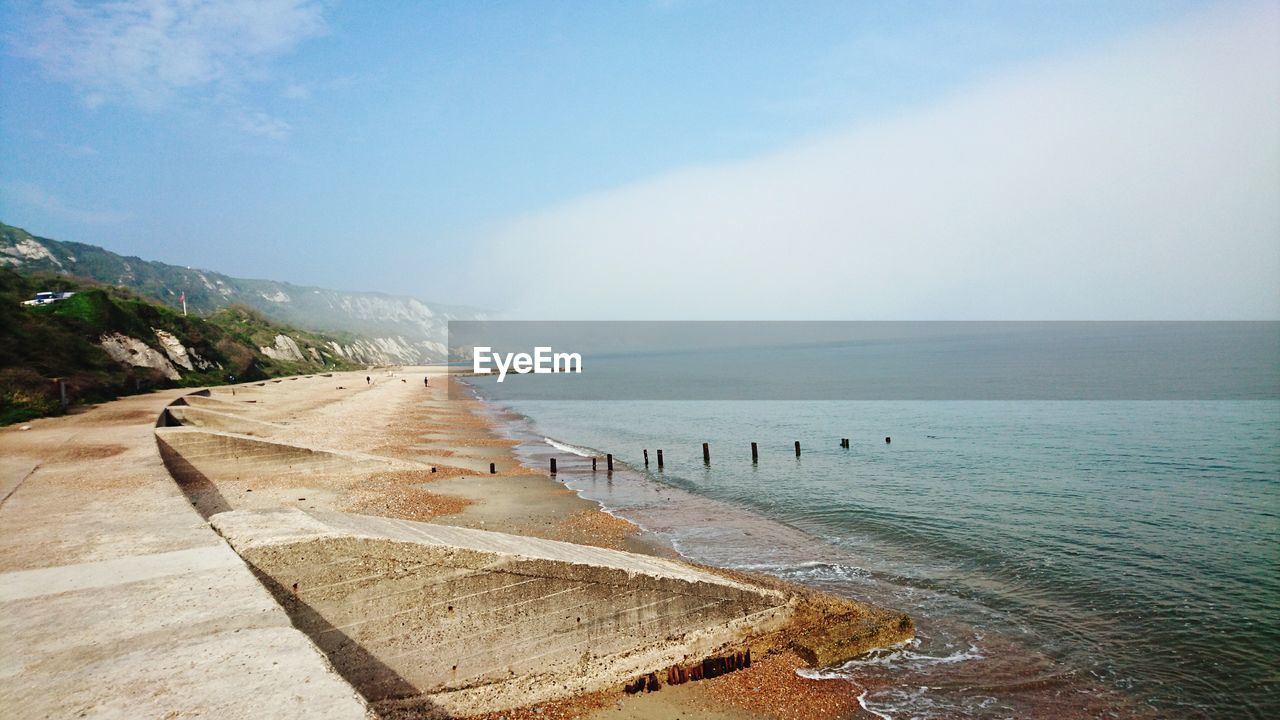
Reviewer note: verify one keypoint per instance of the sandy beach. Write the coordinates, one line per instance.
(375, 444)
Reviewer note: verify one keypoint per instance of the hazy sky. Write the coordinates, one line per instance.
(668, 159)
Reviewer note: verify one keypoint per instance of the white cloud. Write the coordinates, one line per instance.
(35, 197)
(143, 51)
(1138, 181)
(264, 125)
(297, 91)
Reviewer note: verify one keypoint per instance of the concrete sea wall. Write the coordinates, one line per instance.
(469, 621)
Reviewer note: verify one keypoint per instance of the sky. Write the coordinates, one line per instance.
(668, 160)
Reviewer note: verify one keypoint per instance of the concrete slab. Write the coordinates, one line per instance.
(192, 416)
(453, 620)
(220, 471)
(251, 674)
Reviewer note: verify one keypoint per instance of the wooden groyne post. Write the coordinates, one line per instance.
(553, 466)
(755, 454)
(608, 462)
(593, 464)
(493, 468)
(659, 459)
(797, 448)
(646, 457)
(844, 443)
(706, 453)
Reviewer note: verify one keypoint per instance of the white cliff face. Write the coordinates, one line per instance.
(174, 348)
(389, 351)
(391, 330)
(379, 351)
(180, 354)
(434, 349)
(388, 309)
(26, 250)
(284, 349)
(132, 351)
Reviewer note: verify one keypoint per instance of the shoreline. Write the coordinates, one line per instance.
(952, 650)
(257, 459)
(777, 690)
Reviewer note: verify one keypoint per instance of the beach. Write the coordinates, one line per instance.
(249, 460)
(312, 521)
(674, 360)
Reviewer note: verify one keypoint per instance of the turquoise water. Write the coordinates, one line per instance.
(1087, 559)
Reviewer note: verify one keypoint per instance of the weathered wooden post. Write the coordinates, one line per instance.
(553, 466)
(886, 440)
(493, 468)
(593, 464)
(755, 454)
(62, 390)
(844, 443)
(659, 459)
(646, 457)
(608, 462)
(797, 448)
(706, 453)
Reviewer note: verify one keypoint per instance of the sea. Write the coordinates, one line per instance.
(1060, 558)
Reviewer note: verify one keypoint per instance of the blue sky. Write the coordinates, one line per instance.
(405, 146)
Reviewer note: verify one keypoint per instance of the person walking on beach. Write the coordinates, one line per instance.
(368, 380)
(426, 381)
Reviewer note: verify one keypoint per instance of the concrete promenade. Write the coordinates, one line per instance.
(117, 600)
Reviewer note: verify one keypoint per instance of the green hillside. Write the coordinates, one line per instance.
(64, 341)
(381, 328)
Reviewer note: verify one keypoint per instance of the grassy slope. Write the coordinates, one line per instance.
(39, 344)
(207, 291)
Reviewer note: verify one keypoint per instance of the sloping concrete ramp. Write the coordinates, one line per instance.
(214, 468)
(450, 620)
(230, 455)
(191, 416)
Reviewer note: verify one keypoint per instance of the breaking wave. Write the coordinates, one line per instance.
(566, 447)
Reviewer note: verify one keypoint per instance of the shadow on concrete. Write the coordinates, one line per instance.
(373, 679)
(200, 490)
